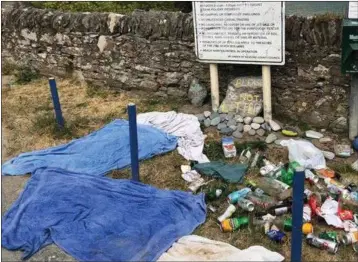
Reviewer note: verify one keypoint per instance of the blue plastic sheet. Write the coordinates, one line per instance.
(98, 218)
(95, 154)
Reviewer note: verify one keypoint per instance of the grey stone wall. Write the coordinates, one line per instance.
(154, 52)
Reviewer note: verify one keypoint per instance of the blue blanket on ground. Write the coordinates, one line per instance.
(95, 154)
(98, 218)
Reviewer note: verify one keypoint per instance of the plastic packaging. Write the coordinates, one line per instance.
(228, 146)
(305, 153)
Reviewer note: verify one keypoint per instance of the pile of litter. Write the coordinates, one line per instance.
(266, 201)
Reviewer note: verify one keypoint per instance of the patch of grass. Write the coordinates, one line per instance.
(8, 68)
(93, 91)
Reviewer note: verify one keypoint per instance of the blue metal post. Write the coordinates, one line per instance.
(297, 214)
(133, 139)
(56, 102)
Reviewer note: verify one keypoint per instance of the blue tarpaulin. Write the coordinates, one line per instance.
(97, 218)
(95, 154)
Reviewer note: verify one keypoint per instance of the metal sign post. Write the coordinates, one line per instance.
(297, 214)
(133, 140)
(56, 102)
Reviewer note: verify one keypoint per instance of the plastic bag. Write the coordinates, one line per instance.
(305, 153)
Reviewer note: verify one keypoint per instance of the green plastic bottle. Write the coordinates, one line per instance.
(287, 174)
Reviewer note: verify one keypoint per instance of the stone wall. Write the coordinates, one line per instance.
(154, 52)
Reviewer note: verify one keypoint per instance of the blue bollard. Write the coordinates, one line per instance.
(297, 214)
(56, 102)
(133, 139)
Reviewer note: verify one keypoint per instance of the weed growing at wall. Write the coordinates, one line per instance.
(26, 74)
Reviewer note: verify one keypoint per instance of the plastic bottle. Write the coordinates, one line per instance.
(233, 197)
(271, 186)
(228, 213)
(287, 174)
(264, 202)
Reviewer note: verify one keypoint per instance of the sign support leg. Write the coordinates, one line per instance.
(214, 81)
(353, 108)
(266, 88)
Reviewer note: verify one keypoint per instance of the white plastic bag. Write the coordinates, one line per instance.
(305, 153)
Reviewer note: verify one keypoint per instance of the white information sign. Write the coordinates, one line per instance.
(240, 32)
(353, 10)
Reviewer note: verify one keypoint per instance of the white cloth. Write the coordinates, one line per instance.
(197, 248)
(186, 127)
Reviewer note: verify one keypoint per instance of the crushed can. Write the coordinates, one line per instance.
(228, 146)
(246, 204)
(331, 236)
(276, 235)
(350, 238)
(230, 225)
(330, 246)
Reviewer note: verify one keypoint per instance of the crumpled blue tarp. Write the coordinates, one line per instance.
(98, 218)
(95, 154)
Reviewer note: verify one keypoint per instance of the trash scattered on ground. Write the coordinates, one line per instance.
(228, 147)
(268, 197)
(343, 150)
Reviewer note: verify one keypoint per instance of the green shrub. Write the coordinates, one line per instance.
(26, 74)
(116, 7)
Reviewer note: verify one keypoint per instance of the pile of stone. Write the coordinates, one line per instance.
(236, 125)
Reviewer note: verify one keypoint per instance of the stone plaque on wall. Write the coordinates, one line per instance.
(243, 97)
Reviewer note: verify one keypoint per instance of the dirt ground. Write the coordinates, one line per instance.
(28, 124)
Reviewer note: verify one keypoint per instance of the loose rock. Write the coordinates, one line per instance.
(230, 116)
(270, 138)
(247, 120)
(275, 127)
(260, 132)
(240, 127)
(247, 128)
(231, 122)
(325, 140)
(237, 134)
(258, 120)
(328, 155)
(252, 132)
(215, 121)
(266, 126)
(207, 122)
(255, 126)
(214, 115)
(226, 131)
(207, 113)
(313, 134)
(197, 93)
(239, 119)
(222, 117)
(233, 127)
(221, 126)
